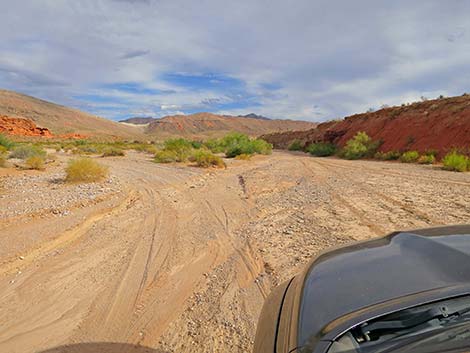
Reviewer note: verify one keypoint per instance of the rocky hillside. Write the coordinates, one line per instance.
(207, 124)
(440, 124)
(62, 120)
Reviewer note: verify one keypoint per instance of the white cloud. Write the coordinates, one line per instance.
(324, 59)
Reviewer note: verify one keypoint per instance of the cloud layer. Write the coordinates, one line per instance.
(305, 59)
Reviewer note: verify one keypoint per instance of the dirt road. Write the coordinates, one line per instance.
(180, 259)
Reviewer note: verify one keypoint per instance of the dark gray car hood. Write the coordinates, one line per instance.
(404, 267)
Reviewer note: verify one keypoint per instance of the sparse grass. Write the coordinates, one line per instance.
(6, 142)
(205, 158)
(321, 149)
(113, 152)
(409, 157)
(35, 162)
(455, 161)
(427, 159)
(360, 146)
(85, 170)
(27, 151)
(295, 145)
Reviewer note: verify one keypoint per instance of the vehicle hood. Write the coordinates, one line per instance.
(349, 280)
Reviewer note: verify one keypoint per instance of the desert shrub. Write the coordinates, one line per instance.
(409, 157)
(205, 158)
(113, 152)
(242, 144)
(321, 149)
(196, 144)
(165, 156)
(261, 147)
(456, 162)
(27, 151)
(426, 159)
(182, 148)
(431, 152)
(6, 142)
(360, 146)
(85, 170)
(388, 156)
(35, 162)
(215, 145)
(295, 145)
(244, 157)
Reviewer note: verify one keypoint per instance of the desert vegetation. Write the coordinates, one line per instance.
(321, 149)
(455, 161)
(85, 170)
(205, 153)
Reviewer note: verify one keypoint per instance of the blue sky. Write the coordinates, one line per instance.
(306, 59)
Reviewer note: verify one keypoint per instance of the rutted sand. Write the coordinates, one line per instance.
(182, 258)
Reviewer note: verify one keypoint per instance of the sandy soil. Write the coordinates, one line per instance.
(180, 259)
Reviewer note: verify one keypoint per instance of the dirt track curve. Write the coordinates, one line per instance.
(182, 258)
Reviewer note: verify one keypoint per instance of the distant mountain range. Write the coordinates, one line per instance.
(213, 125)
(61, 120)
(143, 120)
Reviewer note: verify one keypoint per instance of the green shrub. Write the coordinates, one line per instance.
(113, 152)
(215, 145)
(205, 158)
(426, 159)
(244, 145)
(196, 144)
(27, 151)
(409, 157)
(261, 147)
(6, 142)
(456, 162)
(35, 162)
(321, 149)
(165, 156)
(181, 147)
(295, 145)
(360, 146)
(85, 170)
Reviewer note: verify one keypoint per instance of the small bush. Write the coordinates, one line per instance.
(387, 156)
(181, 147)
(295, 145)
(6, 142)
(196, 144)
(215, 145)
(35, 162)
(431, 152)
(244, 157)
(321, 149)
(409, 157)
(456, 162)
(113, 152)
(85, 170)
(426, 159)
(205, 159)
(165, 156)
(27, 151)
(360, 146)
